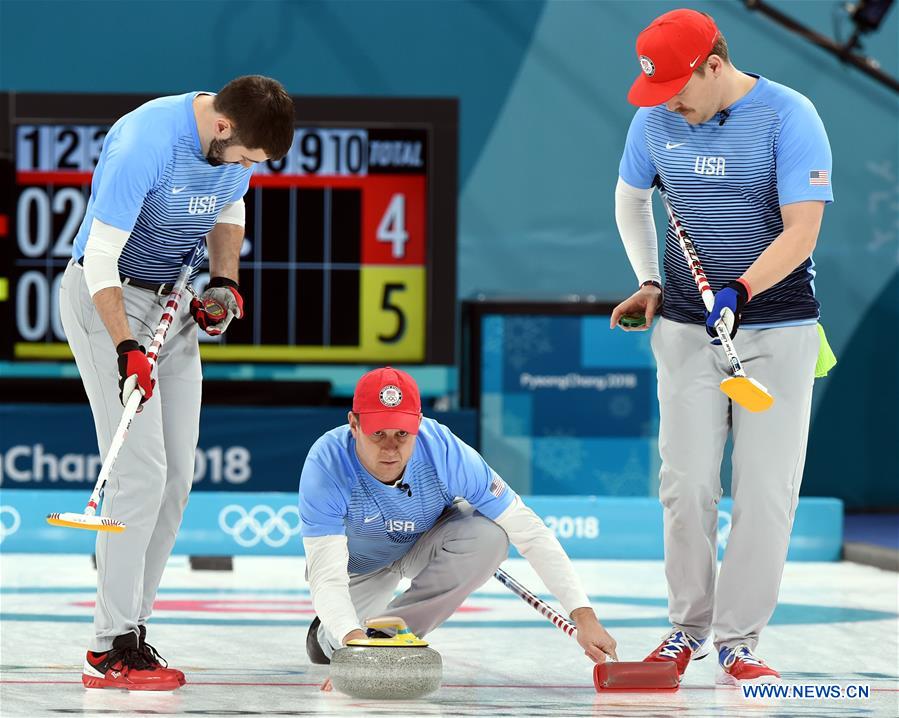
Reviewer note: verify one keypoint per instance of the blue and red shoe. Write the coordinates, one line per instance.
(680, 648)
(740, 665)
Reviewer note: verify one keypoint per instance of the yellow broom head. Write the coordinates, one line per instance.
(83, 521)
(748, 393)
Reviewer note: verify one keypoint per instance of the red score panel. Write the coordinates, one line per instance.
(393, 220)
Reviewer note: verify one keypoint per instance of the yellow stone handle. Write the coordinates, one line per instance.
(403, 637)
(387, 622)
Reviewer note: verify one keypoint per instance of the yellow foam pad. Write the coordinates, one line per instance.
(403, 638)
(395, 642)
(748, 393)
(90, 523)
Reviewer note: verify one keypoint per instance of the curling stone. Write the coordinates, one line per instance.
(392, 668)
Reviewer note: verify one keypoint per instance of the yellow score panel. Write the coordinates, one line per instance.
(392, 315)
(392, 310)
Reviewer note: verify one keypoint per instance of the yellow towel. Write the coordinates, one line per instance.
(826, 359)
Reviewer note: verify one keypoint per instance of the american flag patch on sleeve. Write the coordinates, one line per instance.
(497, 486)
(819, 177)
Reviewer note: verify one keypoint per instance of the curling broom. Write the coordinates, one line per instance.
(88, 518)
(610, 675)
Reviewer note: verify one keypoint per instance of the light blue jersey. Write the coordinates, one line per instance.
(153, 181)
(382, 522)
(727, 183)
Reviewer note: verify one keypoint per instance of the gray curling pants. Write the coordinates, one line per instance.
(768, 458)
(149, 485)
(455, 557)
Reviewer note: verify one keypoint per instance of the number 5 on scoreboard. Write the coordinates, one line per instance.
(386, 305)
(392, 313)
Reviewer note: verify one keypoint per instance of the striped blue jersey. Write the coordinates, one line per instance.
(727, 182)
(153, 181)
(382, 521)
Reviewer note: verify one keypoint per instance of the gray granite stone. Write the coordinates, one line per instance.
(392, 673)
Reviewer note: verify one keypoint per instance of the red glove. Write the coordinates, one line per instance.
(217, 306)
(134, 371)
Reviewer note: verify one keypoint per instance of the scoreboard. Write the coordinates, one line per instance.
(349, 252)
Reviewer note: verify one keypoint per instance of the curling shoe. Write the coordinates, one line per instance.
(125, 666)
(313, 647)
(739, 665)
(680, 648)
(152, 656)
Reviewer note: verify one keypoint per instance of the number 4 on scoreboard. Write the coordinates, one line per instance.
(392, 227)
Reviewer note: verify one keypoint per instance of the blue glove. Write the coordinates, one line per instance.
(729, 303)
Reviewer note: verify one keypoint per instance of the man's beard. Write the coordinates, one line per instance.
(216, 154)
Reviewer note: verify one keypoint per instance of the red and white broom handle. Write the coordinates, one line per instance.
(702, 283)
(691, 255)
(538, 604)
(133, 401)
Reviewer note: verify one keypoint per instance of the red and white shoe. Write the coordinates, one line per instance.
(124, 666)
(680, 648)
(151, 655)
(739, 665)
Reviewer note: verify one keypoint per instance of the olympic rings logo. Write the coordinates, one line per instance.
(8, 526)
(260, 523)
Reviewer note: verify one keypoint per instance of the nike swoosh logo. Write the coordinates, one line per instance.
(672, 145)
(369, 519)
(177, 190)
(695, 60)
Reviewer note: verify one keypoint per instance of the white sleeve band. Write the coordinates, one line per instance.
(329, 583)
(543, 551)
(633, 214)
(234, 213)
(101, 256)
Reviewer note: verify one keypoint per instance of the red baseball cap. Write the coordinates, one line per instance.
(670, 49)
(387, 398)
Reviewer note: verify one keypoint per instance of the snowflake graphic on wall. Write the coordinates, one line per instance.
(559, 456)
(526, 337)
(622, 480)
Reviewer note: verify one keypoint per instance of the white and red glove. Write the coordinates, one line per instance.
(214, 309)
(134, 371)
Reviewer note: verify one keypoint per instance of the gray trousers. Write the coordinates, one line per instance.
(149, 485)
(768, 459)
(455, 557)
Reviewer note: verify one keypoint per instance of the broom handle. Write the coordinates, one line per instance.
(538, 604)
(702, 284)
(133, 401)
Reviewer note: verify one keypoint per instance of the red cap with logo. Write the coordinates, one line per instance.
(670, 49)
(387, 398)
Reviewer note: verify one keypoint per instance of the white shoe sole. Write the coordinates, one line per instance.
(723, 678)
(88, 670)
(705, 648)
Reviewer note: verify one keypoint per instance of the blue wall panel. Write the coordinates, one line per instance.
(543, 116)
(230, 523)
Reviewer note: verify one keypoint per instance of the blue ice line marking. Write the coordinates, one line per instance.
(537, 622)
(807, 615)
(27, 590)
